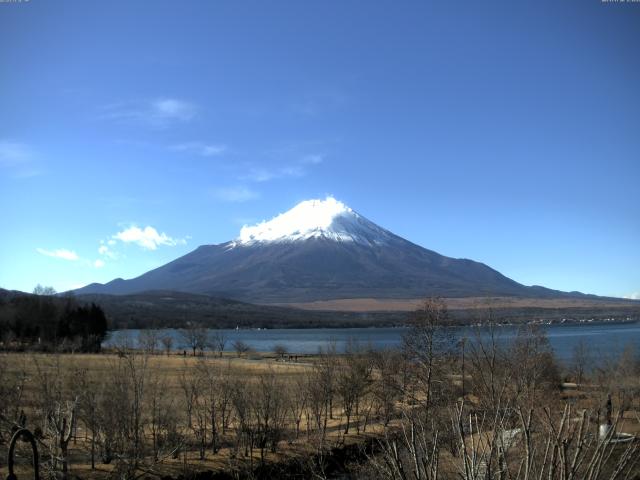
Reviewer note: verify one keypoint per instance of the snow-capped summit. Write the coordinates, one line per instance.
(328, 218)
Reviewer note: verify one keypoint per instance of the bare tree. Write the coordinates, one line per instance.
(202, 411)
(353, 380)
(618, 374)
(12, 389)
(209, 379)
(162, 422)
(298, 398)
(123, 412)
(241, 400)
(536, 375)
(321, 387)
(280, 350)
(326, 368)
(189, 386)
(579, 361)
(270, 410)
(148, 340)
(167, 343)
(387, 386)
(59, 426)
(218, 342)
(489, 367)
(543, 445)
(225, 384)
(241, 347)
(88, 407)
(427, 345)
(195, 337)
(58, 409)
(45, 291)
(412, 453)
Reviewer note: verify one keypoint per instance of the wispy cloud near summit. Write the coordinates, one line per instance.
(235, 194)
(199, 148)
(157, 113)
(147, 237)
(14, 153)
(62, 253)
(17, 159)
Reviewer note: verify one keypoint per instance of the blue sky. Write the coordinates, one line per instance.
(506, 132)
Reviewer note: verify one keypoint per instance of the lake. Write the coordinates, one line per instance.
(603, 339)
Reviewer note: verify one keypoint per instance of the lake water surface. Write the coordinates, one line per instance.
(603, 339)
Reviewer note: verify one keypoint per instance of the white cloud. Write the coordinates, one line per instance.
(59, 253)
(147, 237)
(295, 169)
(71, 256)
(27, 172)
(242, 221)
(160, 112)
(260, 175)
(315, 103)
(17, 158)
(264, 175)
(171, 108)
(313, 159)
(105, 251)
(13, 153)
(235, 194)
(200, 148)
(633, 296)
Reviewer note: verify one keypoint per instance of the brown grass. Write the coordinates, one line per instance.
(171, 368)
(469, 303)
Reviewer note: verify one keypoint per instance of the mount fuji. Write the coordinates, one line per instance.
(322, 250)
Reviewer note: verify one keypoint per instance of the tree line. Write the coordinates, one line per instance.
(46, 322)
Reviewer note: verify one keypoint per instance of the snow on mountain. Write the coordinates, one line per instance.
(328, 218)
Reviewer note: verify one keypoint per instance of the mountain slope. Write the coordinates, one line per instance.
(321, 250)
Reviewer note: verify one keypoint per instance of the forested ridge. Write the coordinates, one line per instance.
(43, 321)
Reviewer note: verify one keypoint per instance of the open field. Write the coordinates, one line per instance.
(467, 303)
(176, 375)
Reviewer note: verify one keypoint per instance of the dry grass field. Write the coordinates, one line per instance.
(174, 371)
(467, 303)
